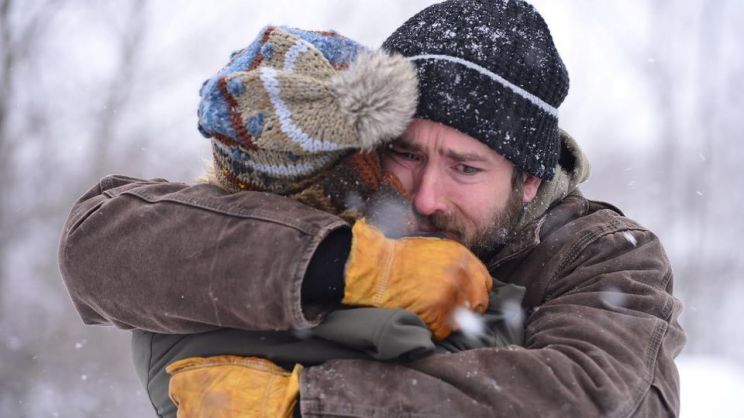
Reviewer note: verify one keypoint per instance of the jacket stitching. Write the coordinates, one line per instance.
(321, 408)
(80, 217)
(614, 226)
(296, 310)
(651, 355)
(668, 307)
(666, 327)
(249, 214)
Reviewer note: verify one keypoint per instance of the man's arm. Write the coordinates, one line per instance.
(168, 257)
(171, 258)
(601, 344)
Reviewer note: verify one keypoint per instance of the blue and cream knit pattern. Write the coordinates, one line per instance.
(273, 117)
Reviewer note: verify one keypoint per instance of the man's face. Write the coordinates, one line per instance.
(460, 186)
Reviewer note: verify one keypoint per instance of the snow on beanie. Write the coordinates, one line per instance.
(489, 68)
(294, 103)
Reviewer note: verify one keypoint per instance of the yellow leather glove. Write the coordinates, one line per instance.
(430, 277)
(232, 386)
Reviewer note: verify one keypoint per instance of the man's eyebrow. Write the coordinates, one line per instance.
(465, 156)
(449, 153)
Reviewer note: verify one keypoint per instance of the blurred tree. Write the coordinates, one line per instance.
(20, 30)
(689, 74)
(128, 44)
(18, 37)
(40, 329)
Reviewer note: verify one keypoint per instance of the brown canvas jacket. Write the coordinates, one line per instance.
(601, 333)
(601, 326)
(129, 258)
(600, 338)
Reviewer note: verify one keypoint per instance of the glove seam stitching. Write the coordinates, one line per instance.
(383, 284)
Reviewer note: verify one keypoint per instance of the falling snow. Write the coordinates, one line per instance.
(470, 323)
(710, 388)
(630, 238)
(613, 297)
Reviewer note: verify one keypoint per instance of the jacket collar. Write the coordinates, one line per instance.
(573, 168)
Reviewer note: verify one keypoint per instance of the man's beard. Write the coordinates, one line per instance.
(490, 236)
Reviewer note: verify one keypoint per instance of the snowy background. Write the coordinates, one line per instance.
(91, 87)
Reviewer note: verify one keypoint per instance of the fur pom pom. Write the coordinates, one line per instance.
(378, 94)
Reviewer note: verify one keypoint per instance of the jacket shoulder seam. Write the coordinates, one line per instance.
(259, 214)
(612, 226)
(324, 408)
(589, 236)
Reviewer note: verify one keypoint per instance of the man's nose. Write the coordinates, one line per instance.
(429, 193)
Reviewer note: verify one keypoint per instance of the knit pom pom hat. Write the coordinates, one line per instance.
(294, 102)
(489, 68)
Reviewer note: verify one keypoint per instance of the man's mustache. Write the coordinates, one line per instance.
(441, 225)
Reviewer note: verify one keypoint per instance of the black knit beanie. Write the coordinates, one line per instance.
(489, 68)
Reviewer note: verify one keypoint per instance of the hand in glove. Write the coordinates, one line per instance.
(232, 386)
(430, 277)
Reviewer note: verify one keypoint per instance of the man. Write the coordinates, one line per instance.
(486, 165)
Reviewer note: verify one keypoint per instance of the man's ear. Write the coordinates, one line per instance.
(529, 187)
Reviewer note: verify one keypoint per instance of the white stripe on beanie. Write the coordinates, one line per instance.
(305, 141)
(506, 83)
(294, 53)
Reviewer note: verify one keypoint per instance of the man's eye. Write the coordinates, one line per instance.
(466, 169)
